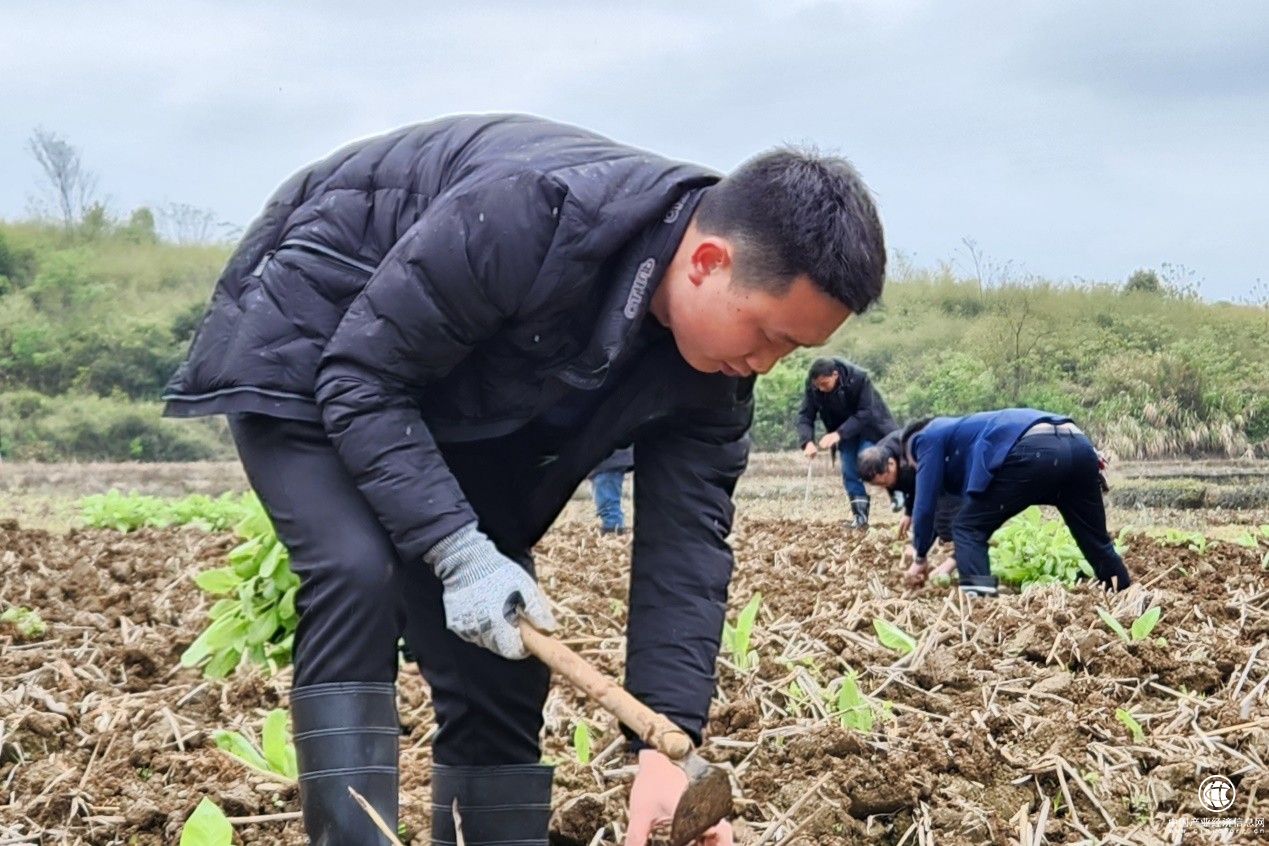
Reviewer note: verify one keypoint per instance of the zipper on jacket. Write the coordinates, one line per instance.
(264, 261)
(321, 249)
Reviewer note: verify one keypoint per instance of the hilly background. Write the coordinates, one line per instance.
(95, 314)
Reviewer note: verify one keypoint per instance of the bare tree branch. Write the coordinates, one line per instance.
(71, 188)
(187, 224)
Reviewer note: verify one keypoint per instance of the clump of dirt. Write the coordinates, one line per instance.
(1002, 707)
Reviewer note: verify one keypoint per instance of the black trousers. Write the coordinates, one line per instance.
(945, 511)
(1058, 469)
(354, 592)
(357, 597)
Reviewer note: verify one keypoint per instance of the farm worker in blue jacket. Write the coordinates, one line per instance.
(1003, 462)
(885, 466)
(425, 343)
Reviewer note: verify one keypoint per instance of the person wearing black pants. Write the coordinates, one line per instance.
(352, 603)
(424, 344)
(1003, 462)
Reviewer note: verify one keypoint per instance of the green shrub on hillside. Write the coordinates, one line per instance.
(107, 309)
(959, 383)
(777, 398)
(1159, 493)
(34, 427)
(1254, 495)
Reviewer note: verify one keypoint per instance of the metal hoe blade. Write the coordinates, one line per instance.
(706, 801)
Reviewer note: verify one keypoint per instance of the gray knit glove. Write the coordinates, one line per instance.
(485, 591)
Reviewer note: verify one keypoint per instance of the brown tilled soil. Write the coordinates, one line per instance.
(1000, 728)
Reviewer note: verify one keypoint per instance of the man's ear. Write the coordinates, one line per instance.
(711, 255)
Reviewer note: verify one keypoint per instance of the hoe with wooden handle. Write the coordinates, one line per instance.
(707, 799)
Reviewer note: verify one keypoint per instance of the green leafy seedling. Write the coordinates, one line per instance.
(853, 708)
(892, 637)
(1114, 625)
(1141, 627)
(582, 742)
(1194, 541)
(127, 513)
(275, 743)
(1144, 625)
(255, 617)
(276, 757)
(26, 622)
(797, 698)
(207, 826)
(1138, 733)
(1030, 550)
(1247, 539)
(736, 639)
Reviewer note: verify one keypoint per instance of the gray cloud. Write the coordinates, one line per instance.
(1078, 139)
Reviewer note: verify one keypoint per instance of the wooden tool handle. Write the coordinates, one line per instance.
(655, 729)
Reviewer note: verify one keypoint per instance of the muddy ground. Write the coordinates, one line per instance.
(999, 728)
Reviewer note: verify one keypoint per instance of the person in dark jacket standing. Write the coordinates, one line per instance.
(855, 417)
(605, 483)
(424, 344)
(1002, 462)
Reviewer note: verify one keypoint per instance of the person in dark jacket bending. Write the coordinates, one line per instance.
(1002, 462)
(885, 466)
(605, 482)
(424, 344)
(855, 417)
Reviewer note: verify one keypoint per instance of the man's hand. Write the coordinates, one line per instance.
(946, 568)
(809, 450)
(830, 440)
(905, 525)
(914, 576)
(654, 796)
(486, 592)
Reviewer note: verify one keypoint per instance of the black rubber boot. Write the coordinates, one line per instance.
(508, 804)
(346, 736)
(860, 509)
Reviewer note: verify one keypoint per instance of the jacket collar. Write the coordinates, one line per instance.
(626, 301)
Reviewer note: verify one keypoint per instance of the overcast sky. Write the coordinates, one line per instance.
(1075, 139)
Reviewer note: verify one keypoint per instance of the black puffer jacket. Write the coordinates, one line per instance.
(453, 280)
(478, 241)
(459, 274)
(853, 409)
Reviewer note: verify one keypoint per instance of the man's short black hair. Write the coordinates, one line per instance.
(796, 212)
(872, 462)
(822, 367)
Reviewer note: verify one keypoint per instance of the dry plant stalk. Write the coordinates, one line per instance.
(383, 826)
